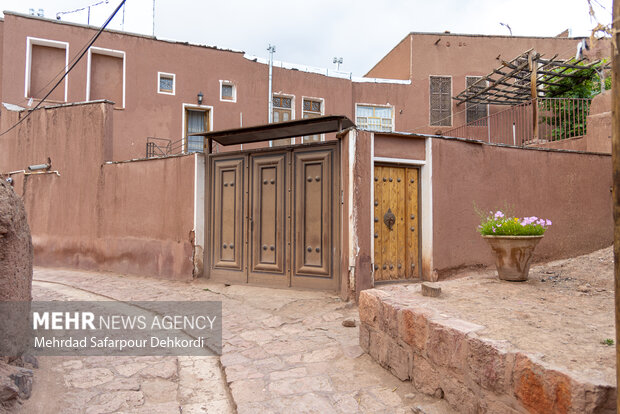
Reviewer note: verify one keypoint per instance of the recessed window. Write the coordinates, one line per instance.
(165, 83)
(374, 118)
(441, 102)
(282, 112)
(45, 61)
(228, 91)
(106, 76)
(312, 108)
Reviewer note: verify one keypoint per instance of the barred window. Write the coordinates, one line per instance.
(374, 118)
(166, 83)
(441, 101)
(476, 111)
(312, 108)
(282, 112)
(228, 92)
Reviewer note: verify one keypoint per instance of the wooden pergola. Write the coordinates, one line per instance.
(522, 79)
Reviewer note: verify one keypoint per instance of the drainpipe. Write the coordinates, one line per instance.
(272, 50)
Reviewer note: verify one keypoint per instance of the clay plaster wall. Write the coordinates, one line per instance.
(570, 189)
(130, 218)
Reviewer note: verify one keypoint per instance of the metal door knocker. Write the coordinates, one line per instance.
(389, 219)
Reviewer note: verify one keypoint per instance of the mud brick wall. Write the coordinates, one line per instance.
(445, 357)
(130, 217)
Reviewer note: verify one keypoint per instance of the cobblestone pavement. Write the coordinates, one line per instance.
(284, 351)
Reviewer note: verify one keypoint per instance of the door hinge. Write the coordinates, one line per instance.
(341, 196)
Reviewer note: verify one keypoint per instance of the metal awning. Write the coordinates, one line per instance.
(267, 132)
(522, 79)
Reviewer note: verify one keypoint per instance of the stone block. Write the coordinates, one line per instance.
(488, 365)
(424, 376)
(431, 289)
(388, 318)
(378, 348)
(413, 329)
(369, 306)
(399, 360)
(595, 398)
(541, 390)
(446, 347)
(459, 395)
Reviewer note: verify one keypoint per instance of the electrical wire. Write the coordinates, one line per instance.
(68, 70)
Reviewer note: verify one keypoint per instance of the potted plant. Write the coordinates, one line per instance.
(513, 240)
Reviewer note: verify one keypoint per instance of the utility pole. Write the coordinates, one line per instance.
(615, 155)
(272, 50)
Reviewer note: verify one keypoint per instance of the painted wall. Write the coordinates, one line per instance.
(148, 113)
(146, 218)
(458, 56)
(132, 217)
(598, 135)
(394, 65)
(570, 189)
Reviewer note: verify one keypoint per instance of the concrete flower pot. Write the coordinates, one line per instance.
(513, 255)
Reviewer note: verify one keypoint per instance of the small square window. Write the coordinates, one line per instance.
(228, 92)
(165, 83)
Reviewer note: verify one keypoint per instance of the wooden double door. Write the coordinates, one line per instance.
(274, 218)
(396, 223)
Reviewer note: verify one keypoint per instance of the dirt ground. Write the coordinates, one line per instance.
(564, 313)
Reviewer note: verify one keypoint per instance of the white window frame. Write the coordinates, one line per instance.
(285, 95)
(429, 100)
(174, 83)
(107, 52)
(194, 106)
(234, 91)
(35, 41)
(322, 100)
(379, 106)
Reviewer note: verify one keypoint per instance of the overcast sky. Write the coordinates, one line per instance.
(313, 33)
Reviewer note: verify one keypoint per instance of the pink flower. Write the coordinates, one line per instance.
(499, 214)
(548, 222)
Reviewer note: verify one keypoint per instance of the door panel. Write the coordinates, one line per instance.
(228, 211)
(274, 217)
(412, 219)
(313, 213)
(268, 216)
(395, 223)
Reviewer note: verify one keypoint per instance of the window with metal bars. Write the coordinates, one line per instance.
(311, 108)
(374, 118)
(441, 101)
(476, 111)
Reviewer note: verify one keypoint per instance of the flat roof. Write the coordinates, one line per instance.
(267, 132)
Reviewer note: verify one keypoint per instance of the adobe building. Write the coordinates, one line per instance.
(315, 201)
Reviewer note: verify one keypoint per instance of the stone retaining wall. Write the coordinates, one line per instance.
(445, 357)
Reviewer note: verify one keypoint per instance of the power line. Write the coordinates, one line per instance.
(68, 70)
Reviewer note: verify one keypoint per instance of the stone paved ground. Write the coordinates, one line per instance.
(284, 351)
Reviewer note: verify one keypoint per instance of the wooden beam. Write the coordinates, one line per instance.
(615, 154)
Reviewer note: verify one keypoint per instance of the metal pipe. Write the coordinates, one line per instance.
(271, 50)
(39, 167)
